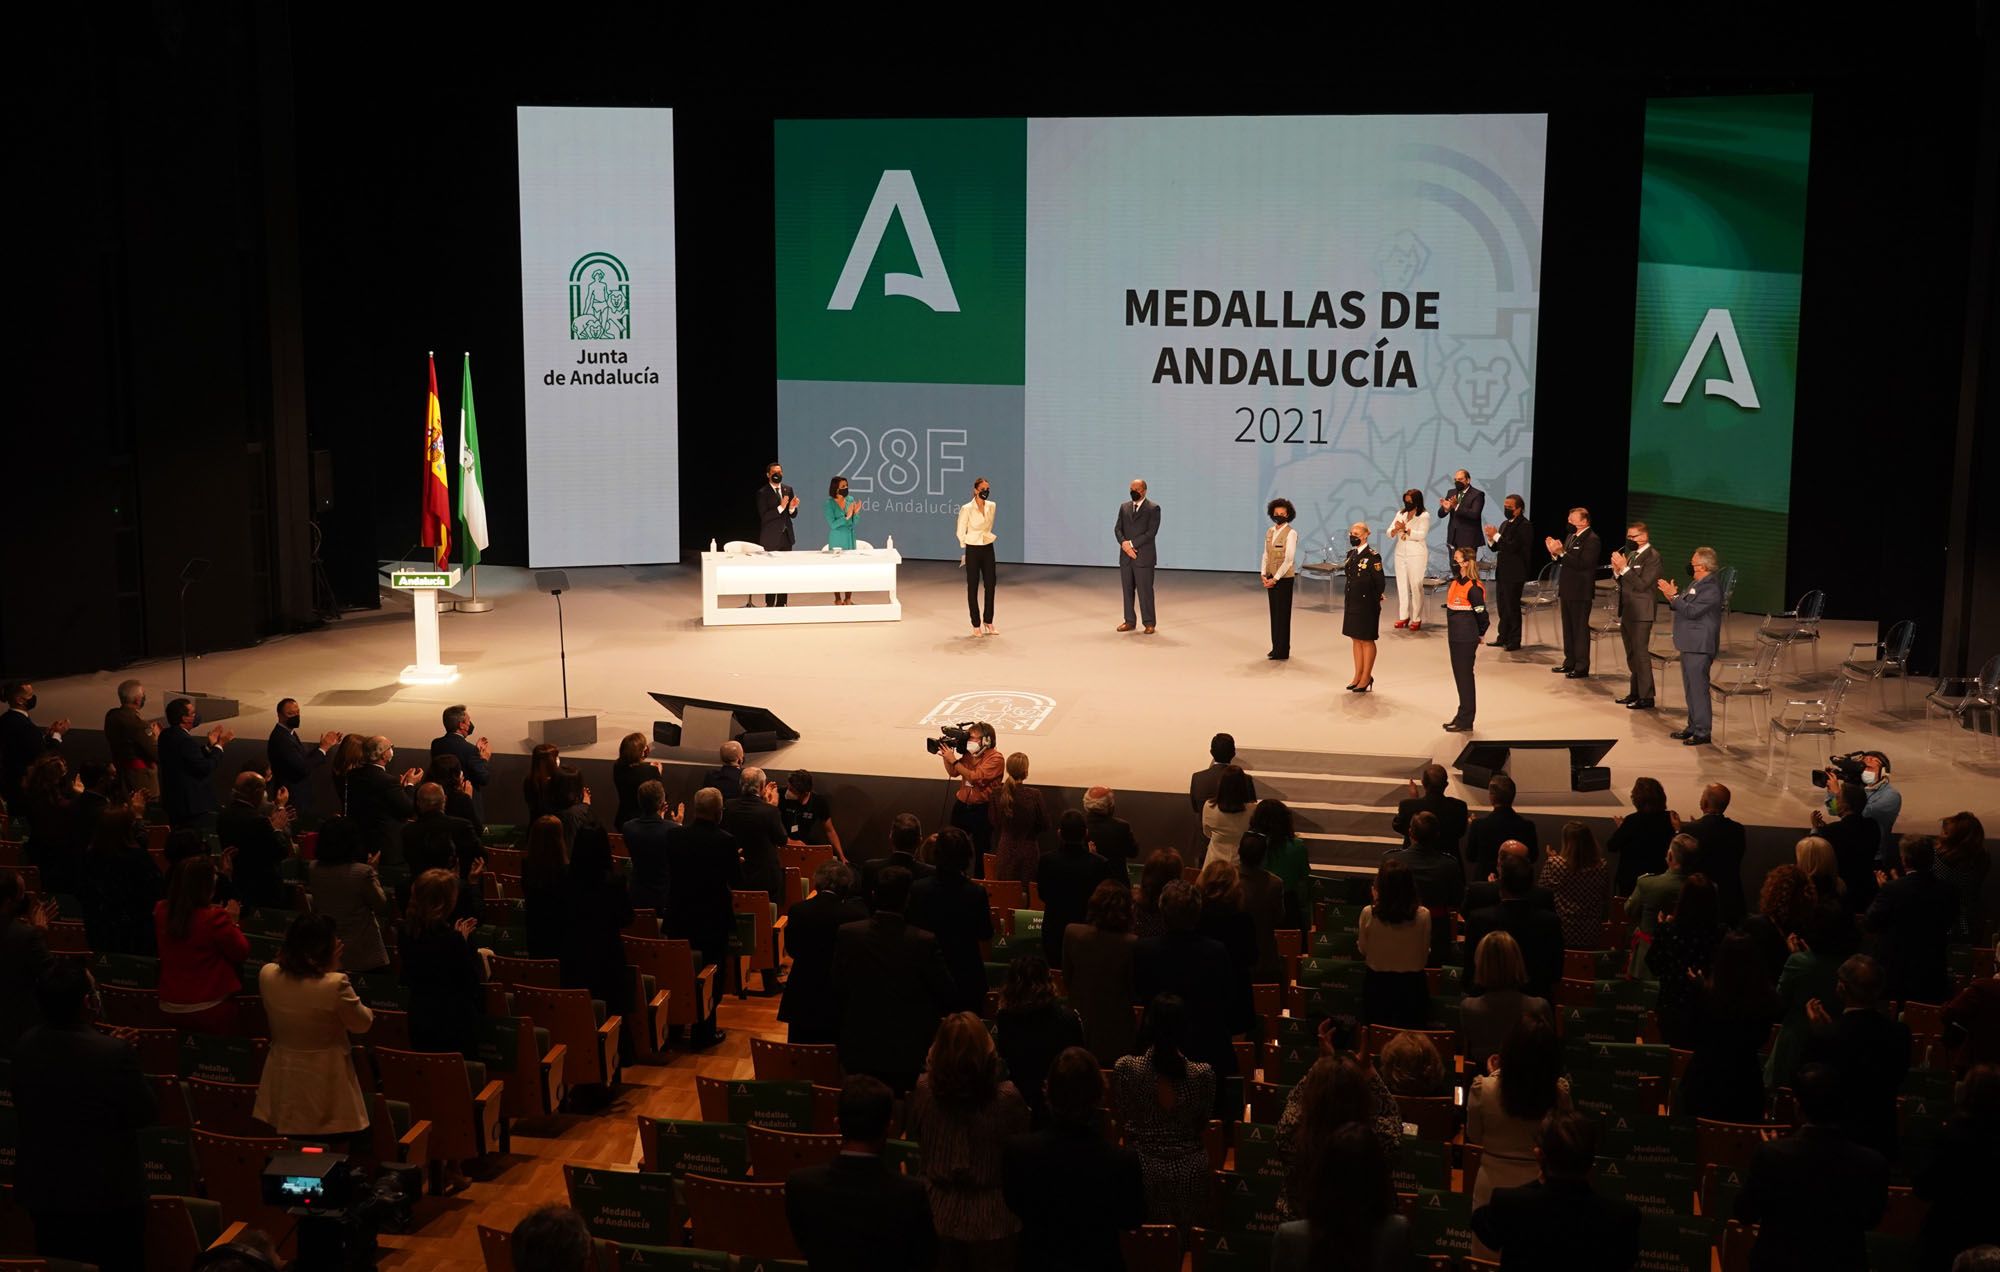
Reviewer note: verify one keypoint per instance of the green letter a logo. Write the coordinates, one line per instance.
(897, 192)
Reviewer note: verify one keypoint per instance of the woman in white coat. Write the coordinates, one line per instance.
(1409, 531)
(308, 1089)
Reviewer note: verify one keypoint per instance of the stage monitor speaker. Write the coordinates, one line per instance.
(706, 724)
(1539, 766)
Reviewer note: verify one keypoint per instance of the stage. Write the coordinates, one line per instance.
(1088, 704)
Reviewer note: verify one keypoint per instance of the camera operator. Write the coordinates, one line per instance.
(1882, 803)
(980, 770)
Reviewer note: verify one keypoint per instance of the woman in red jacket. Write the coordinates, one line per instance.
(201, 949)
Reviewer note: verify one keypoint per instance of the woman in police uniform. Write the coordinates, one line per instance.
(1363, 622)
(1465, 626)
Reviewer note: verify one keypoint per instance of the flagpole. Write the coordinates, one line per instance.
(473, 605)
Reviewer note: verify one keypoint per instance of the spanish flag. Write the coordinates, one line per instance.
(437, 486)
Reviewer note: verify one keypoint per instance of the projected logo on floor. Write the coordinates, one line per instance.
(1007, 710)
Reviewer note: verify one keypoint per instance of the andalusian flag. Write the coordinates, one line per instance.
(471, 489)
(437, 485)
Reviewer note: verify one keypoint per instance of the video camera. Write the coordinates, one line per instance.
(954, 736)
(340, 1206)
(1845, 768)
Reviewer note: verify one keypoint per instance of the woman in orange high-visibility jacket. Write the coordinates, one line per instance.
(1465, 626)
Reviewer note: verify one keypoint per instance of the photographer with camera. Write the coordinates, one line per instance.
(1881, 803)
(969, 754)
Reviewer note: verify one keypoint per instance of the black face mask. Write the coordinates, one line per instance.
(843, 492)
(1460, 485)
(1354, 539)
(1629, 547)
(1511, 514)
(291, 721)
(777, 478)
(984, 492)
(1137, 495)
(29, 705)
(1279, 518)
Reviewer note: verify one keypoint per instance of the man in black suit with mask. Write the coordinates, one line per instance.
(777, 508)
(1137, 526)
(1576, 584)
(1463, 508)
(1512, 542)
(1636, 566)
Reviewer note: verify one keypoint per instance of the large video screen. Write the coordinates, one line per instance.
(598, 336)
(1332, 309)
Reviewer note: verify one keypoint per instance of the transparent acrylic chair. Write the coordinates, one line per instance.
(1804, 717)
(1891, 657)
(1796, 626)
(1960, 697)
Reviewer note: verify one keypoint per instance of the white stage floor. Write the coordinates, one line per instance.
(1131, 711)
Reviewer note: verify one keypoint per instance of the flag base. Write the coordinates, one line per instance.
(436, 674)
(471, 606)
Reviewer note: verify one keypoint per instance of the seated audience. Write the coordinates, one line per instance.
(1575, 871)
(703, 872)
(1639, 839)
(957, 911)
(1815, 1195)
(649, 838)
(1912, 918)
(201, 949)
(1486, 833)
(1961, 1175)
(891, 985)
(1538, 932)
(1440, 880)
(1109, 835)
(308, 1089)
(808, 1009)
(1557, 1222)
(752, 820)
(1972, 1024)
(1683, 943)
(1164, 1098)
(1868, 1051)
(1066, 878)
(79, 1104)
(1487, 1018)
(1410, 1065)
(1032, 1028)
(1351, 1217)
(24, 958)
(857, 1213)
(552, 1239)
(347, 890)
(1162, 868)
(961, 1114)
(1198, 971)
(1097, 972)
(1395, 940)
(1073, 1189)
(1728, 1021)
(1505, 1107)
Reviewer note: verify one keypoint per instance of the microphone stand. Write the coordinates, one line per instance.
(562, 653)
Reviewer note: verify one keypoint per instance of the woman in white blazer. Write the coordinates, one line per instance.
(309, 1090)
(1410, 531)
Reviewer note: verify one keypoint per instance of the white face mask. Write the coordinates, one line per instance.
(972, 746)
(1869, 777)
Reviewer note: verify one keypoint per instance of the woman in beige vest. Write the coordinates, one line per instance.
(1279, 566)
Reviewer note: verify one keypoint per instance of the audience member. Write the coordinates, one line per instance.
(1109, 835)
(1227, 815)
(458, 802)
(133, 740)
(436, 840)
(1719, 849)
(891, 984)
(1427, 795)
(1868, 1051)
(1020, 820)
(961, 1114)
(24, 958)
(752, 820)
(1972, 1024)
(1856, 840)
(1961, 1175)
(574, 809)
(474, 755)
(293, 760)
(906, 835)
(308, 1089)
(1202, 785)
(347, 890)
(1578, 875)
(1395, 940)
(1537, 931)
(538, 787)
(1351, 1218)
(22, 741)
(1557, 1222)
(378, 804)
(1684, 943)
(1810, 973)
(79, 1102)
(1639, 839)
(544, 880)
(1815, 1194)
(1066, 878)
(728, 778)
(1411, 1066)
(551, 1239)
(1264, 902)
(808, 814)
(49, 797)
(857, 1213)
(700, 911)
(1340, 1089)
(1097, 972)
(1197, 970)
(1031, 1028)
(1162, 868)
(1963, 863)
(1487, 1018)
(629, 771)
(1439, 876)
(1164, 1097)
(1223, 919)
(597, 912)
(956, 910)
(1817, 860)
(441, 968)
(1912, 917)
(346, 758)
(257, 844)
(201, 949)
(1285, 856)
(1653, 895)
(1485, 894)
(1729, 1020)
(808, 1009)
(1785, 903)
(1486, 834)
(649, 840)
(1073, 1189)
(1505, 1107)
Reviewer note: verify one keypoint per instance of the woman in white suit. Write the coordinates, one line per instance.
(308, 1089)
(1409, 531)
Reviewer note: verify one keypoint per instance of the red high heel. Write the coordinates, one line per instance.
(1402, 623)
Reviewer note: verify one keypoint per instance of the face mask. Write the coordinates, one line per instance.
(1459, 485)
(1278, 518)
(194, 722)
(843, 492)
(29, 705)
(292, 721)
(972, 746)
(776, 478)
(985, 492)
(1137, 495)
(469, 727)
(1354, 539)
(1629, 546)
(1869, 777)
(1511, 514)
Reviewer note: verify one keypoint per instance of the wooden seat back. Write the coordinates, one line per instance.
(746, 1219)
(226, 1108)
(780, 1061)
(570, 1021)
(774, 1155)
(433, 1084)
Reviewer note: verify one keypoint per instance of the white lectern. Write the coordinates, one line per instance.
(424, 586)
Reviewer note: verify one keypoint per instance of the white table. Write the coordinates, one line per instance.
(728, 578)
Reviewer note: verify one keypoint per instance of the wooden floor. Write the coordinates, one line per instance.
(447, 1235)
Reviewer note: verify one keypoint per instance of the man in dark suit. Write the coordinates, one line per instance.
(1074, 1190)
(1576, 586)
(1110, 836)
(473, 756)
(1912, 917)
(1636, 567)
(377, 803)
(130, 737)
(891, 984)
(952, 907)
(435, 840)
(187, 767)
(1138, 524)
(1817, 1194)
(855, 1213)
(1486, 834)
(1440, 878)
(1066, 878)
(257, 841)
(728, 777)
(1201, 786)
(1199, 970)
(649, 839)
(1697, 635)
(777, 508)
(1560, 1223)
(1512, 542)
(1537, 931)
(80, 1101)
(293, 759)
(1484, 894)
(752, 820)
(705, 869)
(811, 927)
(1856, 840)
(1427, 796)
(24, 959)
(1720, 856)
(1463, 508)
(1868, 1051)
(22, 741)
(906, 835)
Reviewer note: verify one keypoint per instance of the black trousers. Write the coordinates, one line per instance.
(976, 820)
(775, 599)
(980, 564)
(1279, 594)
(1576, 633)
(1507, 601)
(1136, 578)
(1638, 656)
(1463, 653)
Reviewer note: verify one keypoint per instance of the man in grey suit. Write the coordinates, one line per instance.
(1697, 634)
(1636, 566)
(1138, 525)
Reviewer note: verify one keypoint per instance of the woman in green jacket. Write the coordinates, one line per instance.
(840, 514)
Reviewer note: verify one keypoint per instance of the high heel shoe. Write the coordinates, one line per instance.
(1352, 683)
(1365, 688)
